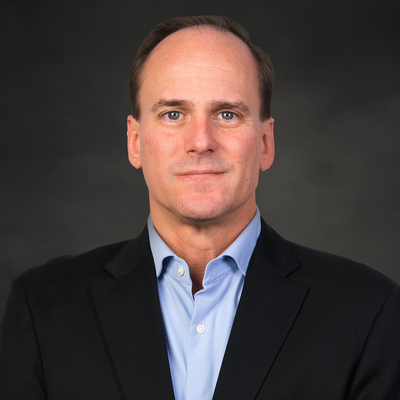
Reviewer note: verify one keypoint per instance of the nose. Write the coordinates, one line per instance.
(200, 136)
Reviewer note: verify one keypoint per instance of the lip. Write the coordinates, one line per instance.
(200, 173)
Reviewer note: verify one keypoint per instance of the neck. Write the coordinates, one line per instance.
(199, 242)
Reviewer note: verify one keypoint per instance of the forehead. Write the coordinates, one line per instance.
(200, 57)
(207, 41)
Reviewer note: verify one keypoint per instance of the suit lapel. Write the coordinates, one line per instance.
(128, 309)
(267, 310)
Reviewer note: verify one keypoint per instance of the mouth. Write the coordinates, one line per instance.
(201, 176)
(200, 173)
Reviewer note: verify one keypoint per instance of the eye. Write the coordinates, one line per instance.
(172, 115)
(227, 115)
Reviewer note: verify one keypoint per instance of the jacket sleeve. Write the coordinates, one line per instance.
(378, 372)
(21, 369)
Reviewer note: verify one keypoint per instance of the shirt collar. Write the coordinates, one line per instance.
(240, 250)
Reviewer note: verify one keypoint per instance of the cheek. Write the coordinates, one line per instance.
(151, 159)
(249, 153)
(151, 149)
(157, 157)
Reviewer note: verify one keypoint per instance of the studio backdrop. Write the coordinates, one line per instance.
(67, 185)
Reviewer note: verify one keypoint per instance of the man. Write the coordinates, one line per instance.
(208, 302)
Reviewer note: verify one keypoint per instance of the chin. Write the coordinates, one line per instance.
(202, 213)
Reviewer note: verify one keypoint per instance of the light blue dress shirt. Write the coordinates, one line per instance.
(197, 329)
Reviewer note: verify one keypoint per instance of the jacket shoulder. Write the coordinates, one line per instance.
(74, 268)
(338, 274)
(315, 267)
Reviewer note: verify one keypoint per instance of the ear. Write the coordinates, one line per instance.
(267, 145)
(133, 142)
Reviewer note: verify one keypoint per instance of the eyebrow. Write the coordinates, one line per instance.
(238, 105)
(171, 103)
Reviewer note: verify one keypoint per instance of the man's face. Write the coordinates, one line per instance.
(200, 140)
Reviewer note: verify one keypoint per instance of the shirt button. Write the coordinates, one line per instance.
(200, 328)
(181, 270)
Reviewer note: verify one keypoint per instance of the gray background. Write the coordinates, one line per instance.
(67, 186)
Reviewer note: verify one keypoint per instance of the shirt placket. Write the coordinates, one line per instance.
(198, 366)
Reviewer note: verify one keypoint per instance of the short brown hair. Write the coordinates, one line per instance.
(169, 26)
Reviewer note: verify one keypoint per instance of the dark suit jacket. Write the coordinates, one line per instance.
(309, 326)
